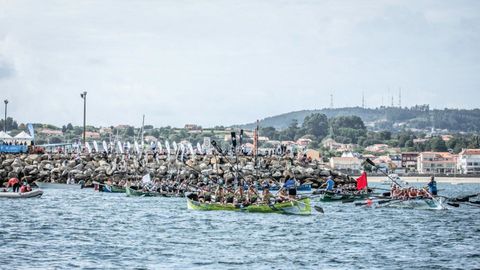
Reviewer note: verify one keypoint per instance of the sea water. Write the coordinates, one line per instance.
(86, 229)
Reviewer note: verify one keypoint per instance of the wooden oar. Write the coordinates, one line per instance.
(465, 198)
(378, 202)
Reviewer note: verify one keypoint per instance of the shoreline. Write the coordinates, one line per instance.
(426, 179)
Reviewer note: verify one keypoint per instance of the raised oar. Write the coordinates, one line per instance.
(374, 165)
(219, 150)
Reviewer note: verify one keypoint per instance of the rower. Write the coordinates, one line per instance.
(432, 186)
(266, 195)
(282, 195)
(252, 194)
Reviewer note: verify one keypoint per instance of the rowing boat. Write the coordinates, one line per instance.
(298, 207)
(420, 203)
(17, 195)
(332, 197)
(301, 188)
(113, 189)
(46, 185)
(140, 193)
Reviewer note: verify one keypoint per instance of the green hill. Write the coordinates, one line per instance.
(388, 118)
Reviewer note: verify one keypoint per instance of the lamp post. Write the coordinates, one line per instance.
(5, 123)
(84, 97)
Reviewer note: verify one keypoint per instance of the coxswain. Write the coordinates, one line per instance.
(291, 186)
(432, 186)
(329, 184)
(14, 183)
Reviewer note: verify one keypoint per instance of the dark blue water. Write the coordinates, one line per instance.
(84, 229)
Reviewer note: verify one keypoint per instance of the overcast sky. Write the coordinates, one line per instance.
(229, 62)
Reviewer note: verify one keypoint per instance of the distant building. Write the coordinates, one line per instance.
(149, 138)
(192, 127)
(350, 165)
(436, 163)
(469, 161)
(420, 141)
(121, 127)
(446, 138)
(50, 132)
(377, 148)
(303, 142)
(332, 145)
(409, 161)
(105, 130)
(396, 159)
(92, 135)
(313, 154)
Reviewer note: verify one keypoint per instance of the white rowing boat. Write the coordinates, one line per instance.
(46, 185)
(17, 195)
(423, 204)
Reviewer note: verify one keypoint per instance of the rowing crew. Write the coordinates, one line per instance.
(408, 193)
(246, 195)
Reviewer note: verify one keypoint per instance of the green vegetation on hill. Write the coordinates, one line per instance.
(388, 118)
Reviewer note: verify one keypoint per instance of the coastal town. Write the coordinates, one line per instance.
(347, 158)
(249, 135)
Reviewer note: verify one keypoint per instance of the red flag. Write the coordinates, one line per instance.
(362, 181)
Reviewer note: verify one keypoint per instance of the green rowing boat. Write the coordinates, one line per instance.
(140, 193)
(298, 207)
(113, 189)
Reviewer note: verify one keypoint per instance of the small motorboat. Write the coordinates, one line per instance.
(47, 185)
(18, 195)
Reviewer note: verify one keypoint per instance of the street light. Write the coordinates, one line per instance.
(5, 123)
(84, 97)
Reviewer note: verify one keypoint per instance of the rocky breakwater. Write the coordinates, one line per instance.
(99, 167)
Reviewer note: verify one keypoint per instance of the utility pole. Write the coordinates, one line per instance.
(363, 100)
(5, 122)
(141, 135)
(84, 97)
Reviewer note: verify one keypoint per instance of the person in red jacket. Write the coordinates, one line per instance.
(14, 183)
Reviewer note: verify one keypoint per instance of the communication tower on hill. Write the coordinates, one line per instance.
(331, 101)
(400, 97)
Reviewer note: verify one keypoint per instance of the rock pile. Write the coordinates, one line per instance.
(99, 167)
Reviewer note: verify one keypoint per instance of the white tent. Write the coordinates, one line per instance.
(4, 136)
(23, 136)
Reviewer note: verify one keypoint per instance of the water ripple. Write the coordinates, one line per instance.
(83, 229)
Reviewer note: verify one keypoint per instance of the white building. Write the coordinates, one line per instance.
(351, 165)
(469, 161)
(436, 163)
